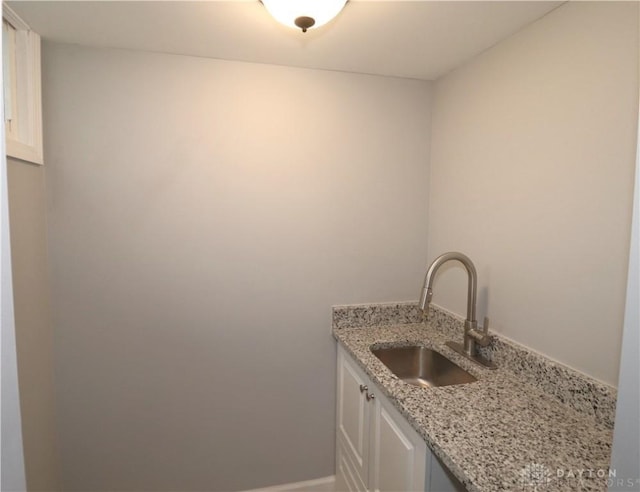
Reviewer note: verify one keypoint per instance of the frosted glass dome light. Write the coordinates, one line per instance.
(304, 14)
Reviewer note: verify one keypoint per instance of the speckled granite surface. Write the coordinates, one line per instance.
(507, 431)
(362, 315)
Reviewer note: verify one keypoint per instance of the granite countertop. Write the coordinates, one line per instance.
(500, 433)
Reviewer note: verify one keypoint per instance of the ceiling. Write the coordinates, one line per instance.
(413, 39)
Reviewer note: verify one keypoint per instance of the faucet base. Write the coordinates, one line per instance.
(477, 358)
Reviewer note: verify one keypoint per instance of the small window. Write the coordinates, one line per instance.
(22, 93)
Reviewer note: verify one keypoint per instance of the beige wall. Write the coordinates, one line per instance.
(34, 334)
(532, 177)
(203, 217)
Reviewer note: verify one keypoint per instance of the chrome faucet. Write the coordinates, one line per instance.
(472, 335)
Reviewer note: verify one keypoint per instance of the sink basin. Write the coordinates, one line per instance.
(422, 366)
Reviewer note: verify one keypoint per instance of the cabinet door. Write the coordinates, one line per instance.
(347, 479)
(398, 452)
(353, 415)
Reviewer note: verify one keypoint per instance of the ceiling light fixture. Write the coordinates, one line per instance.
(304, 14)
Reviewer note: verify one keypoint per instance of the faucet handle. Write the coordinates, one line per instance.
(481, 336)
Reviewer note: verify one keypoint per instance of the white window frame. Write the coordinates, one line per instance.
(23, 81)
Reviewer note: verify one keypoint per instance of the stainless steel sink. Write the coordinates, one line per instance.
(422, 366)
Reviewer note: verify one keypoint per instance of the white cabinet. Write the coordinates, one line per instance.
(353, 417)
(377, 449)
(397, 453)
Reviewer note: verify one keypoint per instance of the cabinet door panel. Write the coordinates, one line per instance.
(399, 453)
(353, 415)
(346, 477)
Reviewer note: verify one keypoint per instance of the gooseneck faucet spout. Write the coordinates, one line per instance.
(427, 292)
(471, 333)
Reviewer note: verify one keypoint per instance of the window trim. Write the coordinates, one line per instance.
(24, 133)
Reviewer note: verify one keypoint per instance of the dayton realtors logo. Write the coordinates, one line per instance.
(535, 477)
